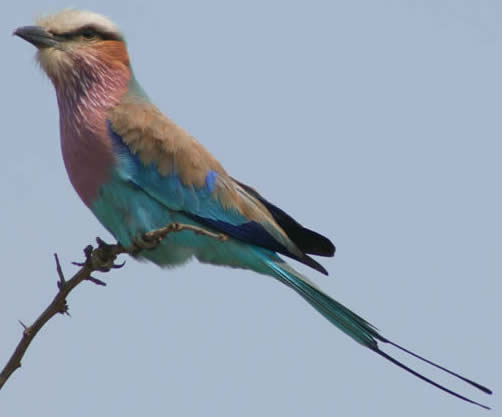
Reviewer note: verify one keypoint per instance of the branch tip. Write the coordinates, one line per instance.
(100, 259)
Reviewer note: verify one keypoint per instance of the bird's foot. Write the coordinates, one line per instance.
(146, 241)
(101, 258)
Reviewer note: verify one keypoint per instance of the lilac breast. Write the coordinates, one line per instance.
(88, 159)
(83, 105)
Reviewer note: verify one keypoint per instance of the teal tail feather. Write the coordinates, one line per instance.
(356, 327)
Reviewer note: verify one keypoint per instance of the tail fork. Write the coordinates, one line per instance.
(358, 328)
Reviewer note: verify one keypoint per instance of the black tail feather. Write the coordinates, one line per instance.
(463, 378)
(430, 381)
(306, 240)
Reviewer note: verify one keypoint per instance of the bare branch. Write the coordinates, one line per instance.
(100, 259)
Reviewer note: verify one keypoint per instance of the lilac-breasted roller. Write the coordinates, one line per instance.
(137, 171)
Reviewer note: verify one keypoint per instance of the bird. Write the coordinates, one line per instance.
(138, 171)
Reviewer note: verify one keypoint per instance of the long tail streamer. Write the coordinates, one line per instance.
(359, 329)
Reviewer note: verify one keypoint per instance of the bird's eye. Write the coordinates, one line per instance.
(88, 34)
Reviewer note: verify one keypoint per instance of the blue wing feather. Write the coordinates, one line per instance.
(197, 204)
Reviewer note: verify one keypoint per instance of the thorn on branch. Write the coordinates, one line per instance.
(102, 259)
(25, 327)
(102, 244)
(65, 309)
(118, 266)
(59, 270)
(96, 281)
(87, 251)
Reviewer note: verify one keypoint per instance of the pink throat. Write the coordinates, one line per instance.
(84, 98)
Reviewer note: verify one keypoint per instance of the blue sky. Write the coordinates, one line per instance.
(376, 123)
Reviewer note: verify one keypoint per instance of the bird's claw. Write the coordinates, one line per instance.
(145, 242)
(101, 258)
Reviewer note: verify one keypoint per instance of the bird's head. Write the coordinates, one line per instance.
(77, 44)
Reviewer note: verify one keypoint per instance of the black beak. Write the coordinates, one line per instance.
(37, 36)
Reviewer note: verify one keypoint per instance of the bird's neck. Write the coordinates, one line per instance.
(84, 97)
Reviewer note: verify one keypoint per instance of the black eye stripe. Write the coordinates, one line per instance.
(89, 32)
